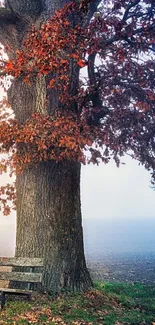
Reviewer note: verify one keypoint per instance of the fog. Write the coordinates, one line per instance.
(119, 236)
(7, 239)
(101, 237)
(118, 208)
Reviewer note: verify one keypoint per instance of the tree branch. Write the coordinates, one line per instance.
(13, 26)
(106, 42)
(148, 13)
(98, 111)
(88, 9)
(131, 5)
(8, 18)
(93, 7)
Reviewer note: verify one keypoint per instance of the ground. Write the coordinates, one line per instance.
(106, 303)
(123, 267)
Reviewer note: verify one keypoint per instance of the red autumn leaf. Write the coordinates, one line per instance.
(75, 56)
(9, 65)
(51, 83)
(81, 63)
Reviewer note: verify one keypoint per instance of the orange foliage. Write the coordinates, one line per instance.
(50, 50)
(44, 138)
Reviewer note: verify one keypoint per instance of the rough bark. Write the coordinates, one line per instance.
(48, 197)
(48, 206)
(49, 223)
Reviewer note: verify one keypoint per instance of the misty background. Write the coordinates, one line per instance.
(118, 208)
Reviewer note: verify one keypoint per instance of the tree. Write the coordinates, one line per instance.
(59, 115)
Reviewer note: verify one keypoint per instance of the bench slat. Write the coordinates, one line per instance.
(21, 276)
(21, 261)
(24, 292)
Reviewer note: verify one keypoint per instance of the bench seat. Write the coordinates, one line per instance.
(30, 277)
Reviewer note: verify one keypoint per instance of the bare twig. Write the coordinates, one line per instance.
(131, 5)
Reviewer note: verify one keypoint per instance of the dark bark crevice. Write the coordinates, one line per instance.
(13, 28)
(90, 10)
(8, 17)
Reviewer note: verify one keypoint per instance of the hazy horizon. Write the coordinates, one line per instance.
(118, 209)
(101, 237)
(128, 235)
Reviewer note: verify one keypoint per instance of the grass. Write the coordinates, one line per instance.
(106, 303)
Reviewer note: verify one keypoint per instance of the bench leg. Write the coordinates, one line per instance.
(29, 297)
(3, 299)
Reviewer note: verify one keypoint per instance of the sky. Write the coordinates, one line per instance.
(120, 197)
(111, 192)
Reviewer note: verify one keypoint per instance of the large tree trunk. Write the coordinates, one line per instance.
(48, 206)
(49, 223)
(48, 196)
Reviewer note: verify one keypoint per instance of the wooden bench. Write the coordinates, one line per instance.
(29, 277)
